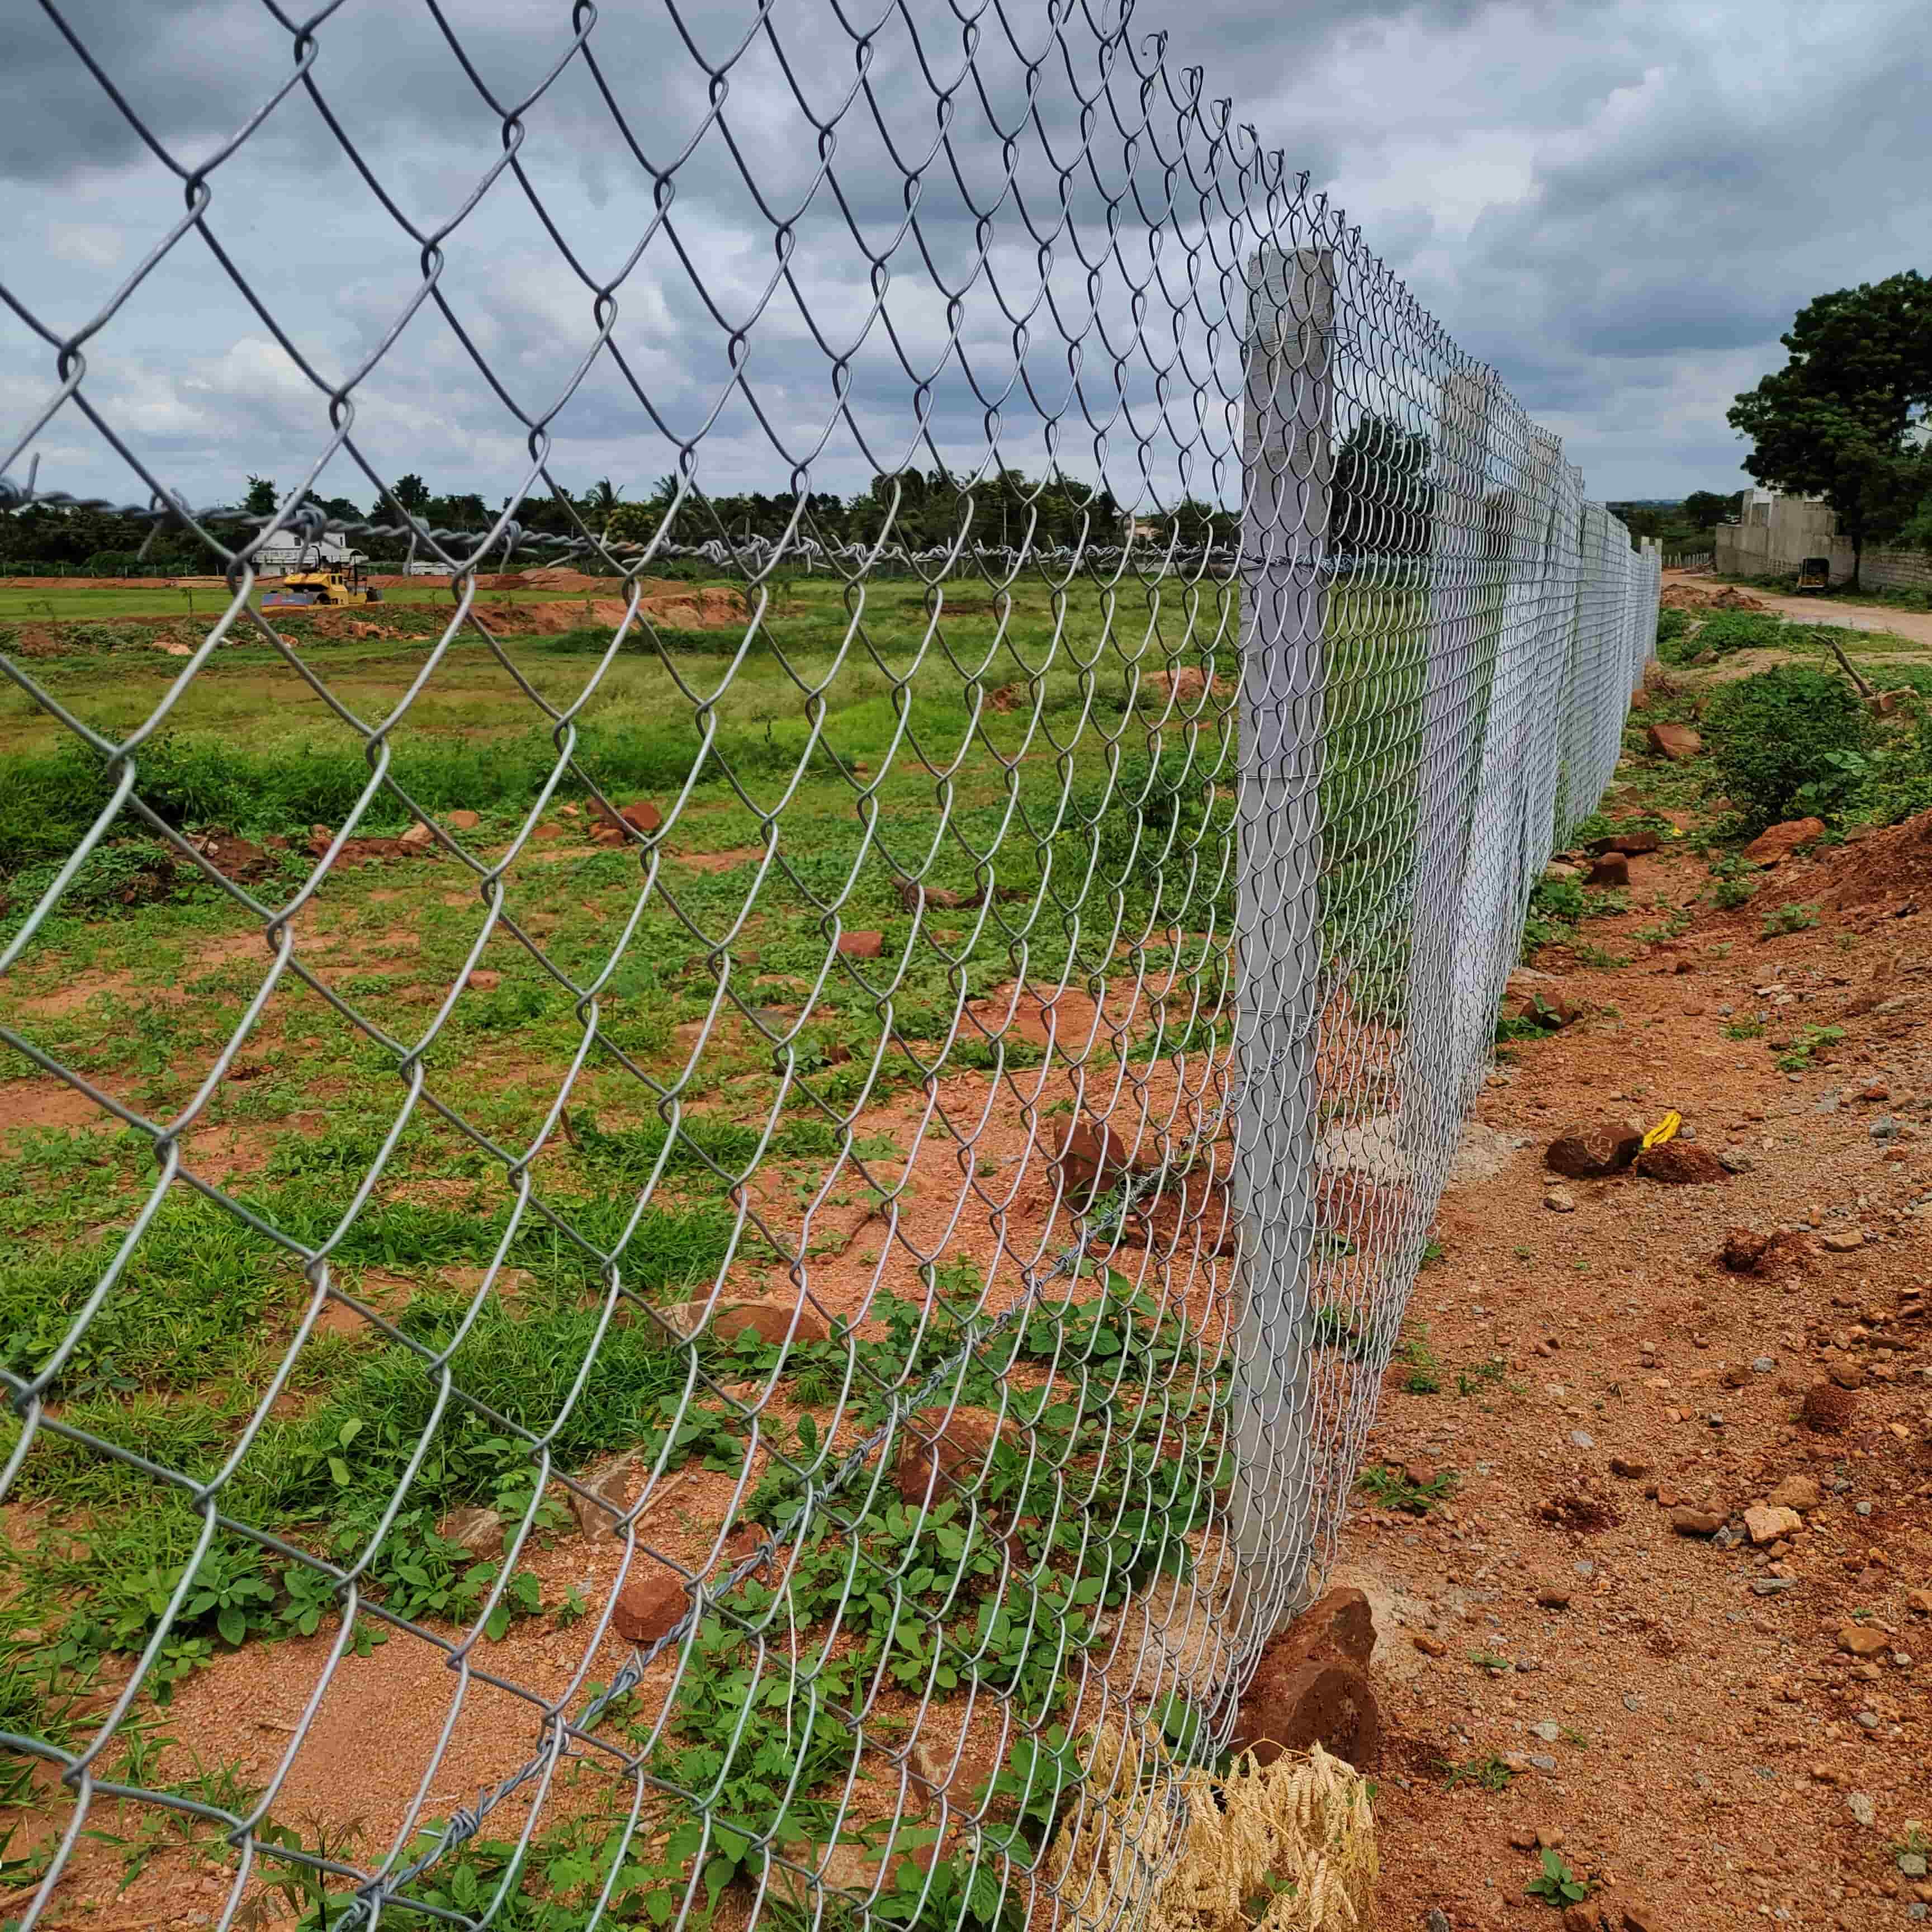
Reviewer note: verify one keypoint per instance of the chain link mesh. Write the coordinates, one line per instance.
(778, 1353)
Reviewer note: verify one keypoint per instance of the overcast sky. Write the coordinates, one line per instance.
(1618, 203)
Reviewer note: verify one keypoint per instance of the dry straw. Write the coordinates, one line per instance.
(1287, 1847)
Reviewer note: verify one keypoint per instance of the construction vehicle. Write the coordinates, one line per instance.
(1814, 573)
(319, 579)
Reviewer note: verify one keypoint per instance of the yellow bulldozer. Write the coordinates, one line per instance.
(319, 579)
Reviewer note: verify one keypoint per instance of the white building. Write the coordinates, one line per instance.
(285, 552)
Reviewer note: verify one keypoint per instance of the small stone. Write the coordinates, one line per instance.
(1772, 1586)
(417, 838)
(1828, 1410)
(861, 945)
(1552, 1598)
(1674, 742)
(1842, 1241)
(1541, 1761)
(938, 1454)
(1796, 1492)
(1629, 1468)
(1912, 1864)
(1611, 870)
(484, 979)
(1862, 1640)
(1430, 1646)
(1586, 1152)
(1767, 1524)
(1582, 1438)
(1639, 1915)
(478, 1531)
(1682, 1163)
(464, 820)
(1763, 1365)
(1436, 1920)
(1848, 1374)
(1689, 1521)
(1862, 1808)
(1560, 1201)
(605, 1495)
(1549, 1838)
(649, 1607)
(1774, 847)
(774, 1322)
(1548, 1729)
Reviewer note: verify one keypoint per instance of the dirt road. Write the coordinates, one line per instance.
(1847, 615)
(1716, 1730)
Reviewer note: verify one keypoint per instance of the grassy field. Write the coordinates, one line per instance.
(533, 1086)
(508, 1096)
(51, 601)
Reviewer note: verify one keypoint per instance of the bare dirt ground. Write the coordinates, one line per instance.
(1715, 1731)
(1848, 615)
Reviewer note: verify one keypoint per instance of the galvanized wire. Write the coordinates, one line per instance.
(1168, 999)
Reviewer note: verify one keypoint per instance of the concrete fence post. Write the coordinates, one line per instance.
(1287, 463)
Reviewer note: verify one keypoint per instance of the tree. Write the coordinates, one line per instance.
(632, 523)
(1381, 498)
(1705, 509)
(599, 503)
(262, 498)
(1833, 422)
(412, 492)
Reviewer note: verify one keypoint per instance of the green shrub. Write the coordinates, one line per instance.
(1725, 631)
(1788, 741)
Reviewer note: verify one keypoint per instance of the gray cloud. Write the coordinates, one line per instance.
(1619, 204)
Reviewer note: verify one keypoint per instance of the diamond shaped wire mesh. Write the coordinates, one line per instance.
(733, 1259)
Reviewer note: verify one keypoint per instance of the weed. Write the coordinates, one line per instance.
(1484, 1375)
(1797, 1056)
(1489, 1661)
(1557, 1885)
(1599, 959)
(1423, 1376)
(1792, 916)
(1392, 1487)
(1485, 1774)
(1671, 926)
(1744, 1030)
(1727, 895)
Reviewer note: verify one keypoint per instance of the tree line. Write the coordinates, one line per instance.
(1382, 503)
(1846, 418)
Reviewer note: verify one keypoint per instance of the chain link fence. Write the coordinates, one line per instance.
(728, 1261)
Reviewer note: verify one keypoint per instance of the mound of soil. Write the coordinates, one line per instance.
(1722, 597)
(561, 576)
(679, 607)
(1893, 863)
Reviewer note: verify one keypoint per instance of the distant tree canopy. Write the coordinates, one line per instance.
(919, 509)
(1382, 496)
(1705, 509)
(1835, 422)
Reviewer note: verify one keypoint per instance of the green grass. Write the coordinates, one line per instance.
(54, 601)
(727, 1044)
